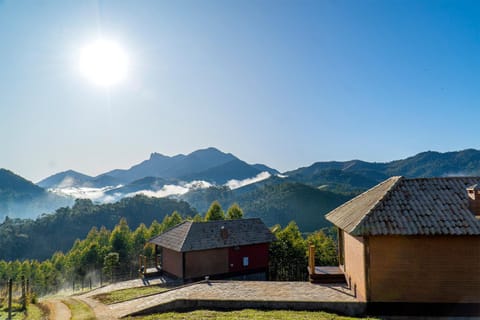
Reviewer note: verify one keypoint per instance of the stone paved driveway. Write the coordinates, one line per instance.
(240, 291)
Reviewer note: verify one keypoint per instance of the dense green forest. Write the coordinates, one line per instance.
(113, 254)
(282, 203)
(40, 238)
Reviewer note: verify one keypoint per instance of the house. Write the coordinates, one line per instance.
(193, 250)
(414, 241)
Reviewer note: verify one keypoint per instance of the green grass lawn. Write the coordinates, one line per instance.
(128, 294)
(79, 310)
(17, 312)
(17, 315)
(246, 314)
(34, 312)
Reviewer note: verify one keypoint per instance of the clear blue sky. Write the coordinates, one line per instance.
(285, 83)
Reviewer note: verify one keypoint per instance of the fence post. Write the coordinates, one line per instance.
(311, 258)
(10, 283)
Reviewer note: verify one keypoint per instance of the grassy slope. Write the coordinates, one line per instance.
(246, 314)
(127, 294)
(79, 310)
(34, 312)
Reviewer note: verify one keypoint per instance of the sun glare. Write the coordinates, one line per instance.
(103, 62)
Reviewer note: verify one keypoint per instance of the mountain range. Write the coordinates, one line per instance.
(356, 175)
(303, 194)
(209, 164)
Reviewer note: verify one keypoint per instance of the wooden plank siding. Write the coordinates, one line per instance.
(206, 263)
(440, 269)
(354, 264)
(172, 262)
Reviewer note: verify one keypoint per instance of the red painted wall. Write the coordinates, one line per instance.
(257, 257)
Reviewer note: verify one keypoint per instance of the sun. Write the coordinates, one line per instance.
(103, 62)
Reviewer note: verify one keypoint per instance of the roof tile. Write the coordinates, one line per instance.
(194, 236)
(399, 206)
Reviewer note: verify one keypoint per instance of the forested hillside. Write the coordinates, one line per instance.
(40, 238)
(282, 203)
(277, 202)
(356, 175)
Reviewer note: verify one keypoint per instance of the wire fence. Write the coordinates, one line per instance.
(14, 297)
(288, 272)
(32, 289)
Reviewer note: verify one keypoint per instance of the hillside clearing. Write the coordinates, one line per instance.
(127, 294)
(79, 309)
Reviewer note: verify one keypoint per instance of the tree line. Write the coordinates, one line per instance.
(41, 238)
(113, 254)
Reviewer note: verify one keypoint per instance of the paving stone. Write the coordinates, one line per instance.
(240, 291)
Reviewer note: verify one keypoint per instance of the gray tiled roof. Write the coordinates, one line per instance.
(400, 206)
(192, 236)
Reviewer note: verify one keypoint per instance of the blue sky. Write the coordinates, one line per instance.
(285, 83)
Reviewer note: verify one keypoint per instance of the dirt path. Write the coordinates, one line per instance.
(57, 309)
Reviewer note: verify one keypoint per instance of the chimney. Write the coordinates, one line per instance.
(224, 233)
(474, 199)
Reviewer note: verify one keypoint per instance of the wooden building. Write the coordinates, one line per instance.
(413, 241)
(193, 250)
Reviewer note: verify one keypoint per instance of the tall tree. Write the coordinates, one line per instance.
(197, 218)
(288, 260)
(325, 248)
(110, 262)
(215, 212)
(171, 221)
(140, 237)
(234, 212)
(120, 241)
(155, 229)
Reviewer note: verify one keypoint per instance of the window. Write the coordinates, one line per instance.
(245, 261)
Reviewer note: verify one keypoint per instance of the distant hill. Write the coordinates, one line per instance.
(355, 175)
(282, 203)
(22, 198)
(221, 174)
(65, 179)
(436, 164)
(40, 238)
(11, 183)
